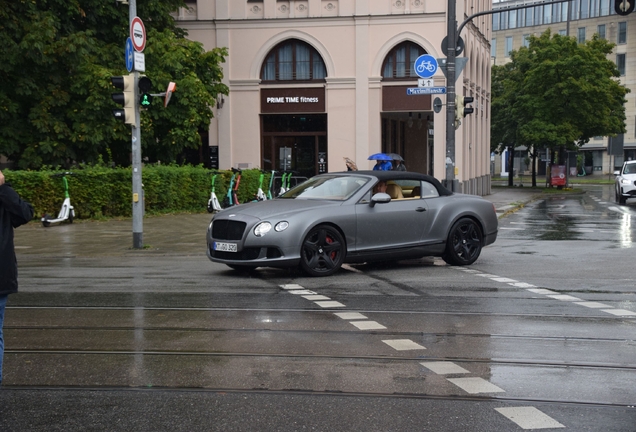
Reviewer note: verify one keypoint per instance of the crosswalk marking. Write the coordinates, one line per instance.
(350, 315)
(368, 325)
(619, 312)
(593, 304)
(444, 367)
(565, 297)
(529, 418)
(475, 385)
(403, 344)
(316, 297)
(329, 304)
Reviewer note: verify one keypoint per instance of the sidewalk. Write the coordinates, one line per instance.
(506, 199)
(173, 234)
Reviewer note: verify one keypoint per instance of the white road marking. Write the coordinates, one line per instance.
(350, 315)
(616, 209)
(593, 305)
(503, 279)
(475, 385)
(444, 367)
(316, 297)
(300, 292)
(522, 285)
(352, 269)
(541, 291)
(487, 275)
(403, 344)
(329, 304)
(368, 325)
(565, 297)
(529, 418)
(291, 287)
(620, 312)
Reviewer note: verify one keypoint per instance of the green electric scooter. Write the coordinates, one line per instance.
(67, 212)
(213, 203)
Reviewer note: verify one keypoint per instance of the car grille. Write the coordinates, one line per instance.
(227, 230)
(248, 254)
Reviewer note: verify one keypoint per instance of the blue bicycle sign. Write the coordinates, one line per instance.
(425, 66)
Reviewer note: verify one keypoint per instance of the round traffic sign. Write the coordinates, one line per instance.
(138, 34)
(425, 66)
(458, 49)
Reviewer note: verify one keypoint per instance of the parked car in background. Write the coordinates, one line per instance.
(625, 185)
(337, 218)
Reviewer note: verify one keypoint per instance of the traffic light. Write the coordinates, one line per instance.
(461, 110)
(466, 109)
(126, 99)
(624, 7)
(144, 85)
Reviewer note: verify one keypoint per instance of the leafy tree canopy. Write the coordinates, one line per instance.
(557, 93)
(55, 88)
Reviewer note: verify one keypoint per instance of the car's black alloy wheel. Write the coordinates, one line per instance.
(322, 251)
(464, 243)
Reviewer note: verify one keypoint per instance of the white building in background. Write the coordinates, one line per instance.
(581, 19)
(314, 81)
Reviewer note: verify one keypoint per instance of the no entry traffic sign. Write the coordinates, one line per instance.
(138, 34)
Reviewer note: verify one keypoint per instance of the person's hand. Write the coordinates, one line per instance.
(1, 178)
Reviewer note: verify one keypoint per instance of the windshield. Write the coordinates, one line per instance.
(327, 188)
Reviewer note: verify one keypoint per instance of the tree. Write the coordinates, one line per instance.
(557, 94)
(55, 89)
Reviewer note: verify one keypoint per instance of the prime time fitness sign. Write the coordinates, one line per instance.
(293, 100)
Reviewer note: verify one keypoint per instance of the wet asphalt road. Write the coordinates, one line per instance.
(540, 329)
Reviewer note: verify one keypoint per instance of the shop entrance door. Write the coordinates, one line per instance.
(303, 151)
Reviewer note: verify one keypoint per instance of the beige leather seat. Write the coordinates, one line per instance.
(394, 191)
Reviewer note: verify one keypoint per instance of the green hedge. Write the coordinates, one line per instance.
(98, 192)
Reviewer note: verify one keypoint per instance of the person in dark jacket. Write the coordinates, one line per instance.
(13, 212)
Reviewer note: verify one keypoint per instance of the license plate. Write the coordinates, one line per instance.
(225, 247)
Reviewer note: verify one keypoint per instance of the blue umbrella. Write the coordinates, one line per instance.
(380, 156)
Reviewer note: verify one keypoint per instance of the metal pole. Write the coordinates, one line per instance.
(450, 182)
(137, 194)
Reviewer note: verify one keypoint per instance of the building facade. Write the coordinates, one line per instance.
(580, 19)
(314, 81)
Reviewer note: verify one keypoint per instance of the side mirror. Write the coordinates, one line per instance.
(380, 198)
(617, 173)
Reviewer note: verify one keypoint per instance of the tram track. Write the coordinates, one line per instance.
(335, 332)
(382, 358)
(264, 391)
(351, 309)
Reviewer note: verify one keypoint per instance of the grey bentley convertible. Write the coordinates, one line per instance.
(354, 216)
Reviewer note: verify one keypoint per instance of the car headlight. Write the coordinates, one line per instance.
(281, 226)
(625, 181)
(262, 228)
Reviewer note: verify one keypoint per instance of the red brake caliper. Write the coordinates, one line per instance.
(329, 240)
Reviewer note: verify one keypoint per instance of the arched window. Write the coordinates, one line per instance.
(293, 60)
(398, 64)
